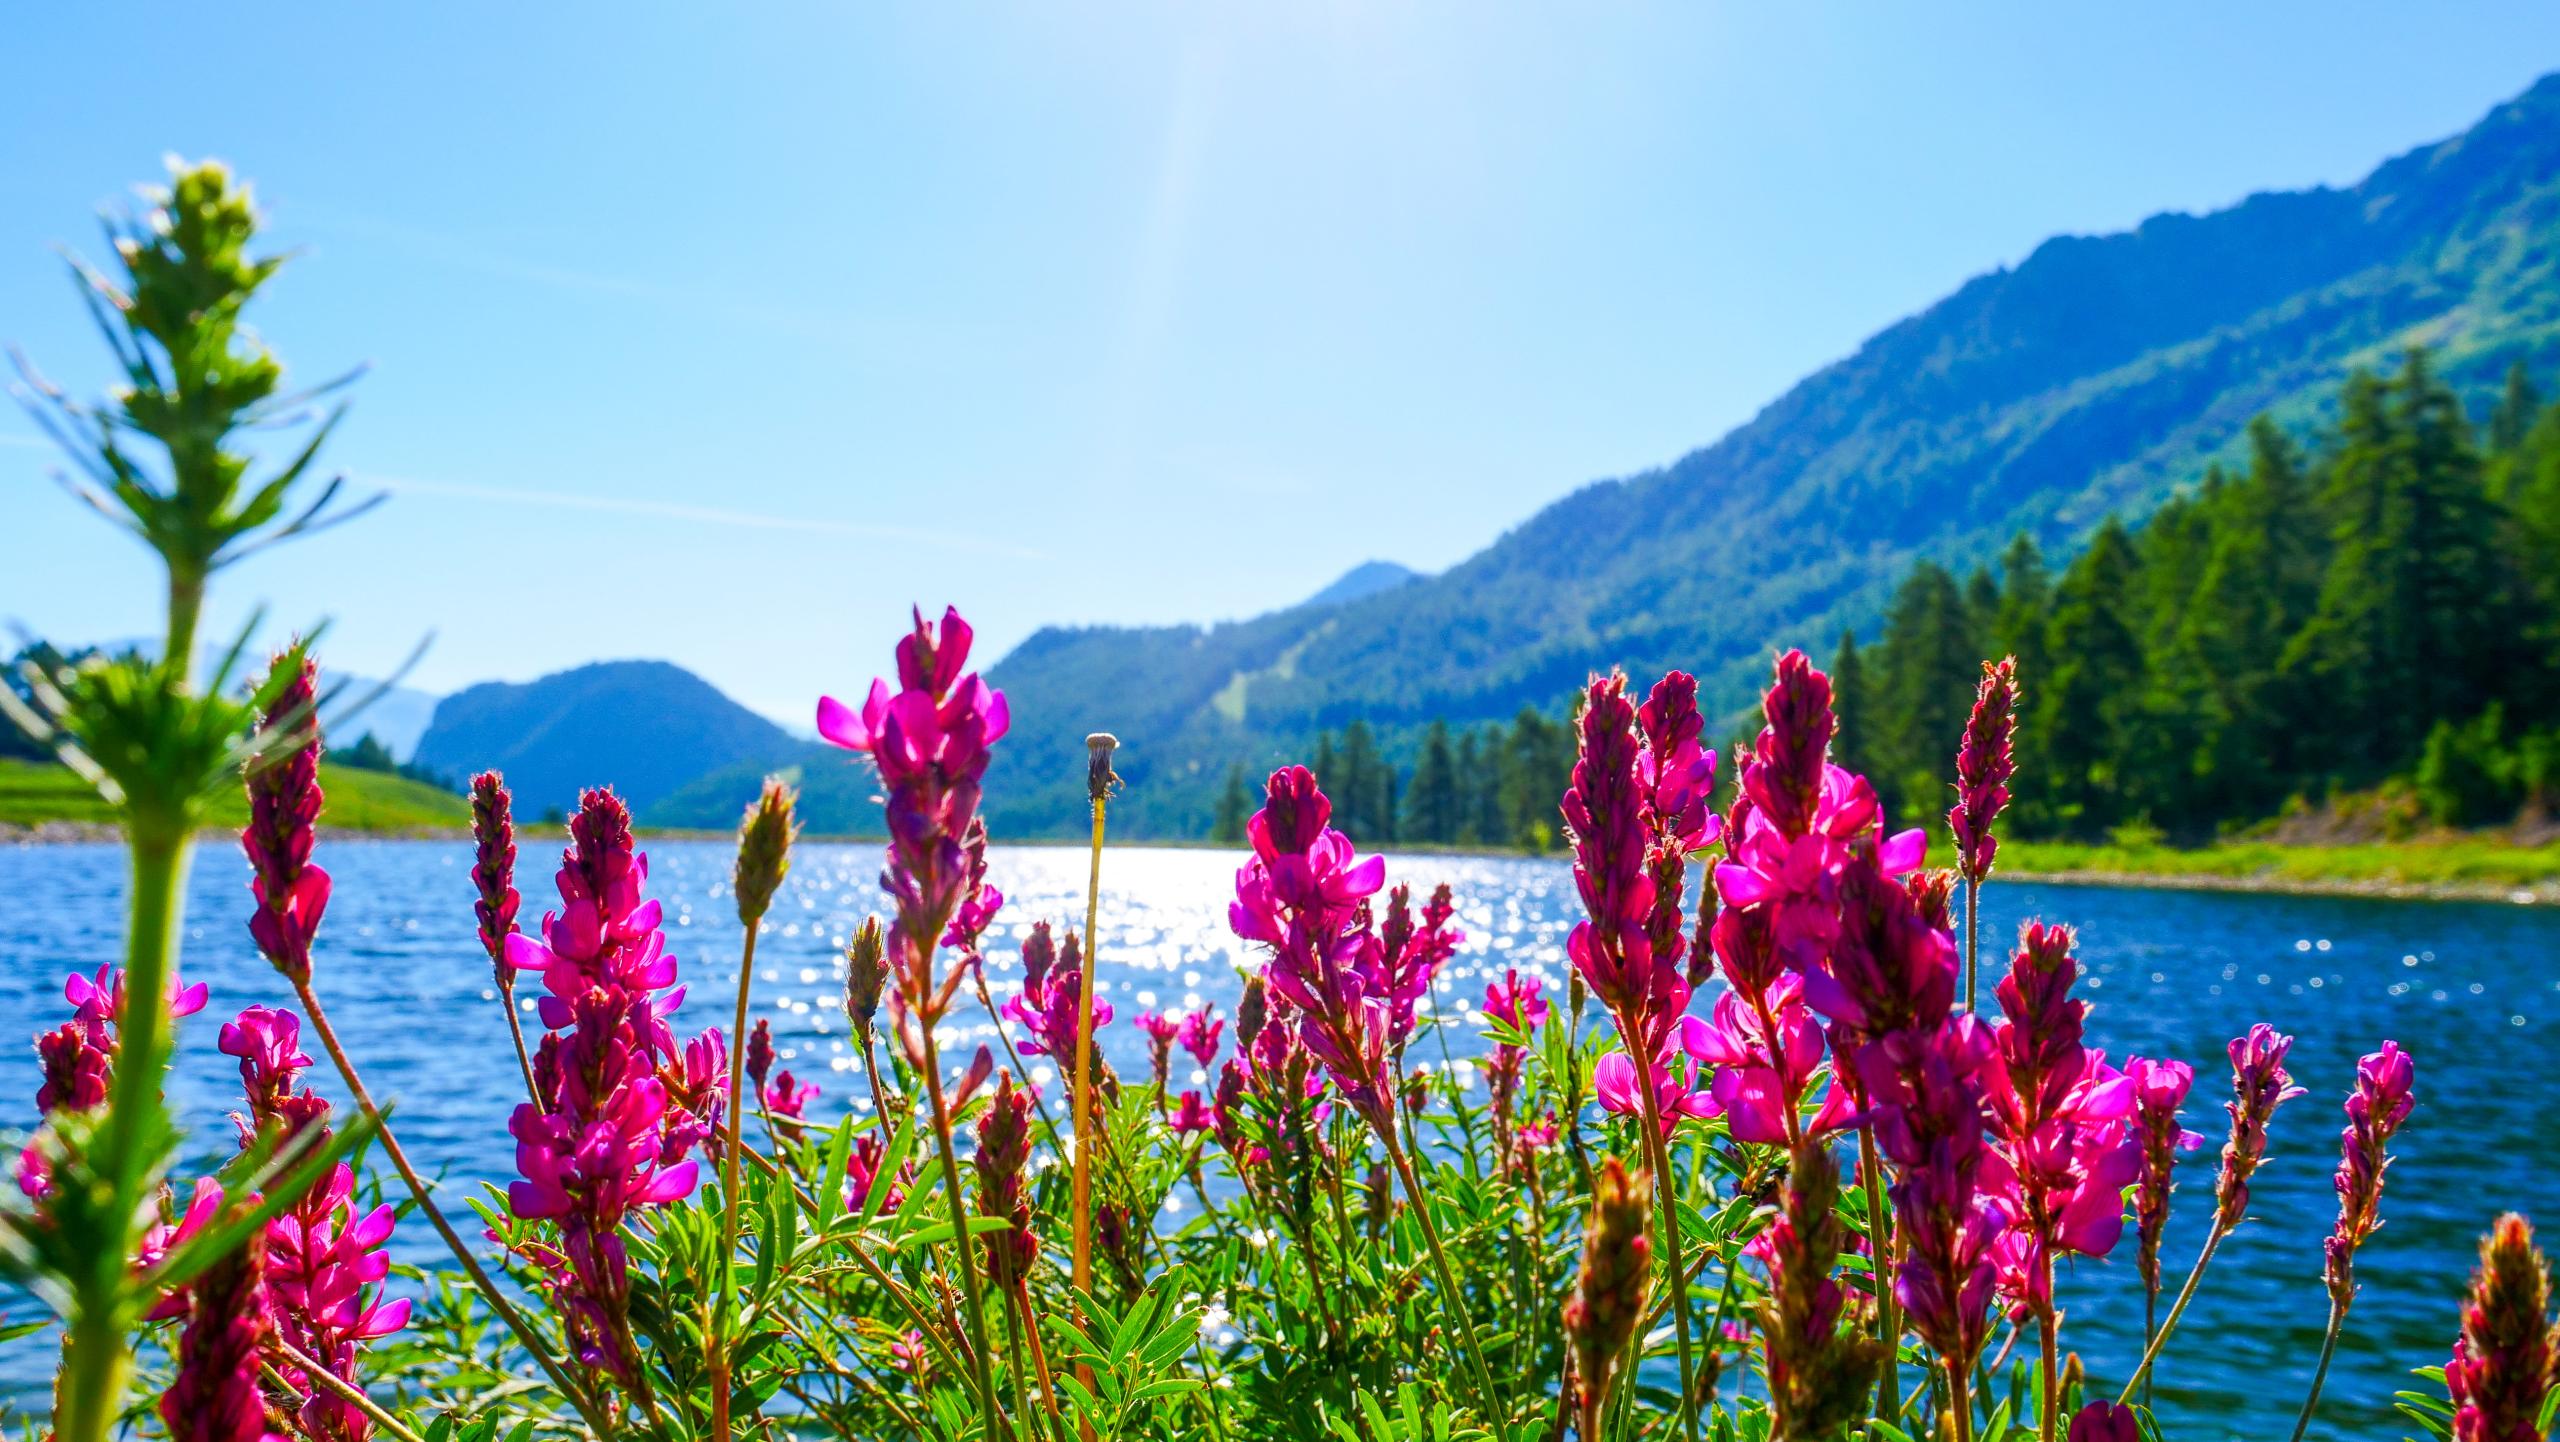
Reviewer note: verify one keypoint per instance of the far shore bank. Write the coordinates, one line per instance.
(2458, 870)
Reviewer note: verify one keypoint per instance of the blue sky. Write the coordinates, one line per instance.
(720, 332)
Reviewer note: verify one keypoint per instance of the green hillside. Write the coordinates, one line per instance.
(2101, 375)
(32, 793)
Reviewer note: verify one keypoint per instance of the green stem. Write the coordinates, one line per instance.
(1455, 1300)
(498, 1303)
(98, 1354)
(1667, 1234)
(2320, 1375)
(1880, 1263)
(2160, 1339)
(960, 1238)
(186, 604)
(2049, 1333)
(1972, 919)
(719, 1338)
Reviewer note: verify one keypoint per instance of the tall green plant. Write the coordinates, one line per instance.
(162, 457)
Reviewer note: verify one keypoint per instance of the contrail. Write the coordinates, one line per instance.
(663, 510)
(700, 515)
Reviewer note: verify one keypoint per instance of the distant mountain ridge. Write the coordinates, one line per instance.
(2096, 376)
(646, 727)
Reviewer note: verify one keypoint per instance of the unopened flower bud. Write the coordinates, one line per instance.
(1251, 1013)
(866, 972)
(764, 850)
(1609, 1298)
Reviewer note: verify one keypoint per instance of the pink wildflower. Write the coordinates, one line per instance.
(1004, 1150)
(493, 870)
(2504, 1359)
(598, 1144)
(2375, 1109)
(1300, 894)
(1984, 765)
(1200, 1033)
(215, 1396)
(2105, 1422)
(2063, 1153)
(2159, 1090)
(323, 1267)
(2259, 1084)
(931, 741)
(284, 804)
(1191, 1114)
(788, 1099)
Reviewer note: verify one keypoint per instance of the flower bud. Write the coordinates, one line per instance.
(1251, 1013)
(866, 971)
(493, 869)
(1609, 1299)
(764, 850)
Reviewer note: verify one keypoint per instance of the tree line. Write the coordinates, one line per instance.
(1489, 785)
(2379, 603)
(2376, 602)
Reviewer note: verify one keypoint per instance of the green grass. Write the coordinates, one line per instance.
(361, 801)
(2465, 863)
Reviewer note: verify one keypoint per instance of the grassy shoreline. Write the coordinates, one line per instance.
(42, 804)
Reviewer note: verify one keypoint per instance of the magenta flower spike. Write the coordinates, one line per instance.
(1004, 1151)
(1199, 1036)
(324, 1264)
(2259, 1084)
(931, 741)
(759, 1061)
(604, 1139)
(284, 807)
(493, 870)
(77, 1070)
(1301, 895)
(2063, 1149)
(2159, 1091)
(1984, 764)
(2105, 1422)
(1410, 956)
(1609, 821)
(2505, 1357)
(268, 1043)
(2380, 1102)
(215, 1396)
(1161, 1031)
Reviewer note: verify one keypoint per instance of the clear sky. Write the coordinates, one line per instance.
(719, 332)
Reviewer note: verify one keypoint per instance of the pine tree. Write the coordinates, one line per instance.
(1922, 678)
(1233, 805)
(1356, 796)
(1849, 706)
(2516, 410)
(2412, 617)
(1486, 819)
(1434, 807)
(2026, 597)
(2093, 684)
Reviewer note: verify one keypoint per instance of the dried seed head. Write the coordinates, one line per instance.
(1099, 779)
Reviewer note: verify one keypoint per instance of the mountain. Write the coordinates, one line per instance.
(1363, 581)
(2099, 375)
(648, 727)
(398, 717)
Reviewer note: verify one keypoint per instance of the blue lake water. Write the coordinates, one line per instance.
(2472, 990)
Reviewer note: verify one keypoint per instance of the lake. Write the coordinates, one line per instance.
(2471, 989)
